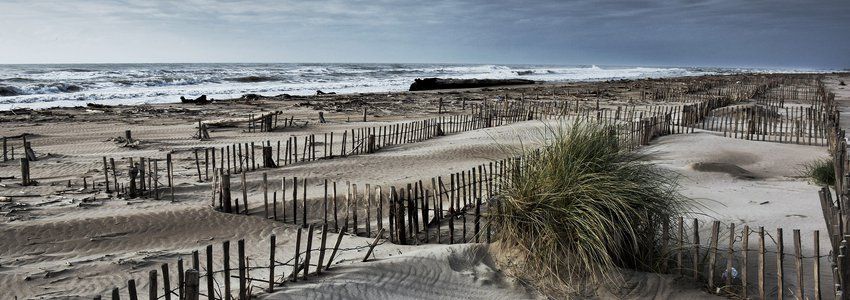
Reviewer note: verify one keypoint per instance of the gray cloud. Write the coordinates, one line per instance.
(779, 33)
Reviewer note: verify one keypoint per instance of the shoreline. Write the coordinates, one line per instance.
(402, 90)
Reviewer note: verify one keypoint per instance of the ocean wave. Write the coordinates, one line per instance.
(61, 85)
(17, 79)
(6, 91)
(52, 88)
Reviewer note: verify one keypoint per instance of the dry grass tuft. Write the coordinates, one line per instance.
(581, 209)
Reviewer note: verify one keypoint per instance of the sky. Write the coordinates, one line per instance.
(708, 33)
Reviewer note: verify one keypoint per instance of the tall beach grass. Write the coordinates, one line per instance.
(820, 172)
(581, 208)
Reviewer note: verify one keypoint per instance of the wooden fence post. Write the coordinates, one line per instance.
(816, 265)
(336, 246)
(243, 285)
(225, 193)
(374, 243)
(25, 172)
(192, 285)
(152, 293)
(712, 255)
(780, 253)
(131, 289)
(798, 255)
(730, 256)
(226, 251)
(307, 253)
(762, 262)
(319, 264)
(166, 282)
(745, 253)
(106, 175)
(695, 250)
(272, 241)
(210, 273)
(295, 264)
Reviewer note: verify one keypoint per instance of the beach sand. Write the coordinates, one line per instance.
(65, 241)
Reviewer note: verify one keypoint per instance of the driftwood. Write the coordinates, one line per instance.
(451, 83)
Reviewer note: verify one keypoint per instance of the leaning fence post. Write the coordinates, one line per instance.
(307, 253)
(322, 249)
(297, 254)
(374, 243)
(336, 246)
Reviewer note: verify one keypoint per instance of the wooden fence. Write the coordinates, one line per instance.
(227, 279)
(454, 209)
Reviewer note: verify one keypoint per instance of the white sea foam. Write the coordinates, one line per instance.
(40, 86)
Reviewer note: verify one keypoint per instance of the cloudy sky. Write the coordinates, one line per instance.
(726, 33)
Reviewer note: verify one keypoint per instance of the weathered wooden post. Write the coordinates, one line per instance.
(225, 192)
(5, 149)
(294, 275)
(243, 283)
(322, 117)
(166, 284)
(152, 288)
(322, 249)
(170, 168)
(106, 175)
(191, 285)
(25, 172)
(210, 273)
(307, 253)
(268, 161)
(131, 289)
(272, 242)
(371, 145)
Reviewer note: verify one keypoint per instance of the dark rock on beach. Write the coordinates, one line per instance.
(198, 101)
(451, 83)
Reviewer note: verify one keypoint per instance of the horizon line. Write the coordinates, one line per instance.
(835, 69)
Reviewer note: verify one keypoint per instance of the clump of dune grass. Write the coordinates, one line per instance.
(820, 171)
(581, 208)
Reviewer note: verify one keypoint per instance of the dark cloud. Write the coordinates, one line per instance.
(777, 33)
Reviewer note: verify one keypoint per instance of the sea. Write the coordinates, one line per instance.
(57, 85)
